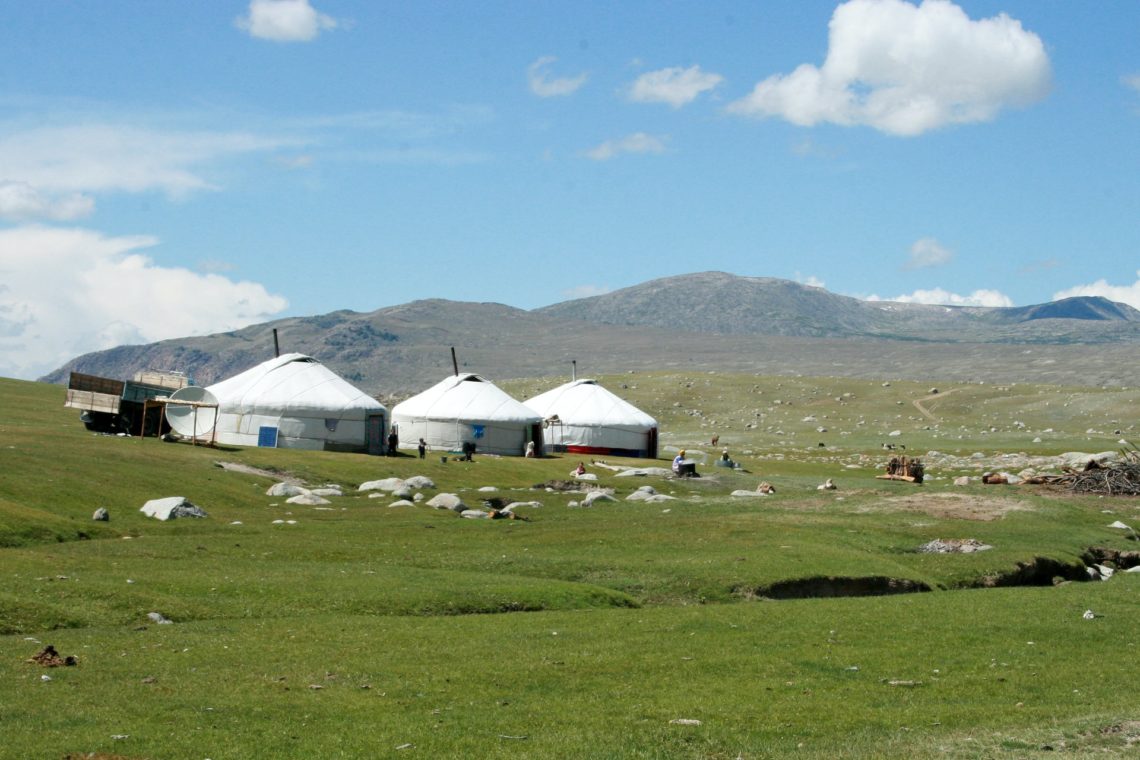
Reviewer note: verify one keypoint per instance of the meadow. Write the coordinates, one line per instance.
(698, 627)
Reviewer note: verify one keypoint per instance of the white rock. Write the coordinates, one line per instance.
(285, 489)
(514, 504)
(1089, 615)
(895, 433)
(748, 493)
(327, 491)
(1120, 526)
(159, 618)
(447, 501)
(487, 489)
(402, 503)
(419, 481)
(598, 495)
(387, 484)
(171, 508)
(308, 499)
(475, 514)
(588, 476)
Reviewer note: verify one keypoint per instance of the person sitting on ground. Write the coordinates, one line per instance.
(580, 470)
(677, 460)
(530, 449)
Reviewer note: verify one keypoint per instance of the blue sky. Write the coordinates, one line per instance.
(171, 168)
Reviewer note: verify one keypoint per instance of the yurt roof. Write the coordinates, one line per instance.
(465, 397)
(585, 402)
(291, 381)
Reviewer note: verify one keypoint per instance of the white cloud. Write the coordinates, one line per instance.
(810, 280)
(586, 291)
(284, 21)
(638, 142)
(1129, 294)
(19, 201)
(945, 297)
(928, 252)
(92, 158)
(66, 292)
(1131, 80)
(675, 86)
(537, 75)
(906, 69)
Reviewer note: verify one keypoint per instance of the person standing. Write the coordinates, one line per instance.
(422, 448)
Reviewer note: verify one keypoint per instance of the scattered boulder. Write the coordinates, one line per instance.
(285, 489)
(598, 495)
(447, 501)
(588, 476)
(953, 546)
(386, 484)
(963, 480)
(327, 491)
(159, 618)
(419, 482)
(170, 508)
(827, 485)
(308, 499)
(101, 515)
(475, 514)
(744, 493)
(661, 472)
(403, 493)
(401, 503)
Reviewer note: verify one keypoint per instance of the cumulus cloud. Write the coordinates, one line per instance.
(905, 69)
(66, 292)
(284, 21)
(91, 158)
(19, 201)
(542, 85)
(675, 86)
(638, 142)
(586, 291)
(810, 280)
(928, 252)
(945, 297)
(1129, 294)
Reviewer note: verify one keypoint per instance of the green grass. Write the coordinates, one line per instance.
(620, 617)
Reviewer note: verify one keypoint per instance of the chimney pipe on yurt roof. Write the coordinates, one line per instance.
(454, 362)
(276, 345)
(574, 370)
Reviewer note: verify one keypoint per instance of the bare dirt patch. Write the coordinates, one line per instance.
(952, 506)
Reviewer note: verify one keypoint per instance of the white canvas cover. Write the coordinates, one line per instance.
(467, 408)
(583, 417)
(308, 405)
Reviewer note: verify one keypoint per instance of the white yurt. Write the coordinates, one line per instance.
(466, 408)
(293, 401)
(582, 417)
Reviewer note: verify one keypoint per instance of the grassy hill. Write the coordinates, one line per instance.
(358, 628)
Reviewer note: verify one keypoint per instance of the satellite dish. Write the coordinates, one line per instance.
(194, 419)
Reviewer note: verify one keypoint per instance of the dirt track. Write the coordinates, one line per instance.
(923, 410)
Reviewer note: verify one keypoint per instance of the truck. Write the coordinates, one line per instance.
(118, 406)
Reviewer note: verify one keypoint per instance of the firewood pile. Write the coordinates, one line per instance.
(1119, 478)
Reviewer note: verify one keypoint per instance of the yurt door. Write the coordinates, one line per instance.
(375, 434)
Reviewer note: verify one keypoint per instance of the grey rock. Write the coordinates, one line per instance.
(101, 515)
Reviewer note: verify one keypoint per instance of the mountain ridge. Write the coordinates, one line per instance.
(705, 320)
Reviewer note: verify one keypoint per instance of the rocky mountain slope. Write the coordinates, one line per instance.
(706, 321)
